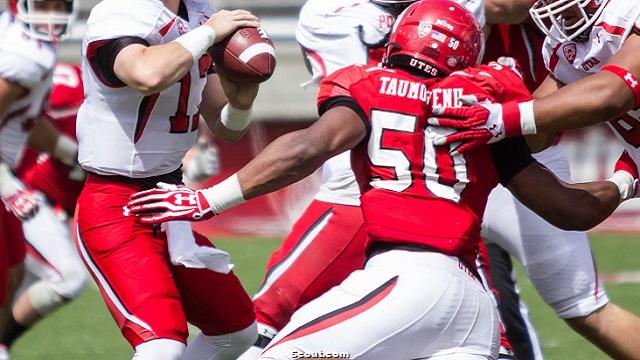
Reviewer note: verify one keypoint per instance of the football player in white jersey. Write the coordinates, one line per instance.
(148, 77)
(54, 274)
(591, 51)
(29, 32)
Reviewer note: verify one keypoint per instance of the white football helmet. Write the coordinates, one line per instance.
(570, 18)
(48, 20)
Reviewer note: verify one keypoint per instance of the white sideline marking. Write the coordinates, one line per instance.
(624, 277)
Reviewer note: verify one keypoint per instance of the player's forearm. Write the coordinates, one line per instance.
(589, 204)
(597, 98)
(506, 11)
(567, 206)
(46, 138)
(286, 160)
(9, 92)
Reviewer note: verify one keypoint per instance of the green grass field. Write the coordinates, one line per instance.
(84, 329)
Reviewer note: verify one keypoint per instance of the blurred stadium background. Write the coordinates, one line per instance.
(251, 231)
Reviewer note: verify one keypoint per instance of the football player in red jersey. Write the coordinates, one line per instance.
(422, 206)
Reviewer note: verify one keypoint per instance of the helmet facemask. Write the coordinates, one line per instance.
(571, 19)
(48, 20)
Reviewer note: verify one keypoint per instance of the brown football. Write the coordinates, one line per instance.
(245, 56)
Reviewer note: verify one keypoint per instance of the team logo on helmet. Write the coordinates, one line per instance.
(424, 28)
(569, 51)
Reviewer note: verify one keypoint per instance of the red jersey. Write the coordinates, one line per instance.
(412, 191)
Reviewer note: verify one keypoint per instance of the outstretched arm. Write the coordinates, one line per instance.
(567, 206)
(596, 98)
(286, 160)
(295, 155)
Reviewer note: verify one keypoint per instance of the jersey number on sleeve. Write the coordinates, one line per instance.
(390, 150)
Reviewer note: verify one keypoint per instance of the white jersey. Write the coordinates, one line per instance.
(121, 131)
(29, 63)
(338, 33)
(572, 61)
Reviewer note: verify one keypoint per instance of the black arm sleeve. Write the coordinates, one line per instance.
(348, 102)
(103, 58)
(510, 156)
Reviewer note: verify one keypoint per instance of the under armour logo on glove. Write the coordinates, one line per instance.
(23, 203)
(169, 203)
(180, 199)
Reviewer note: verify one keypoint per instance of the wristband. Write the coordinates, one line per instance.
(235, 119)
(197, 41)
(66, 150)
(624, 181)
(518, 118)
(626, 76)
(224, 195)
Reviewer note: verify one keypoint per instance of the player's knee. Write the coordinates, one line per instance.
(73, 281)
(159, 349)
(44, 298)
(245, 337)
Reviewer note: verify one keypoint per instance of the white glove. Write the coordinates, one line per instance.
(204, 163)
(22, 202)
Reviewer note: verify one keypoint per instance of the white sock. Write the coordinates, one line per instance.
(221, 347)
(256, 349)
(252, 354)
(159, 349)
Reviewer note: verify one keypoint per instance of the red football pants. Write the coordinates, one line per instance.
(148, 297)
(12, 249)
(326, 244)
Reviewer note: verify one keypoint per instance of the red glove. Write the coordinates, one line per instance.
(169, 203)
(22, 203)
(483, 124)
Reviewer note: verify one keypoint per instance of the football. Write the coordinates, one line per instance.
(245, 56)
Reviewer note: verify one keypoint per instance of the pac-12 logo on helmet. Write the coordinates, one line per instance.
(435, 37)
(571, 19)
(47, 20)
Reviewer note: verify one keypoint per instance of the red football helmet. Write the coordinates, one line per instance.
(67, 91)
(47, 20)
(571, 19)
(435, 37)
